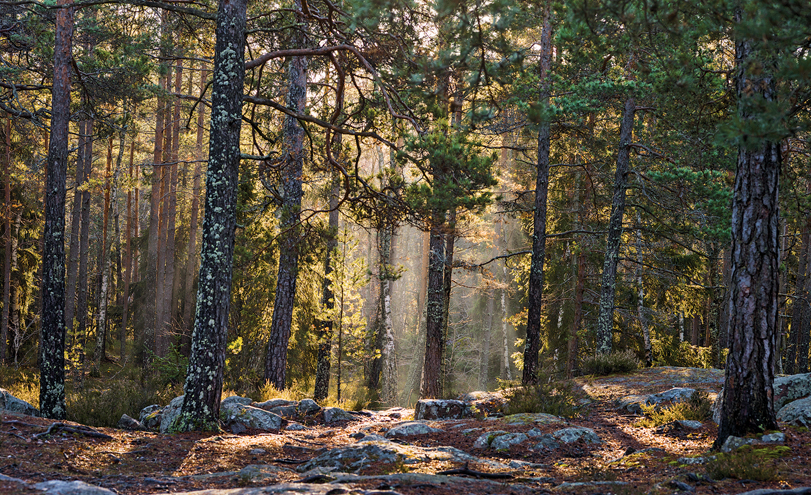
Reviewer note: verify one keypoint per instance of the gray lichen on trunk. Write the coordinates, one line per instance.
(204, 379)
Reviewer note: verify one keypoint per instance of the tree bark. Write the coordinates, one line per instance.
(171, 213)
(128, 259)
(150, 333)
(7, 262)
(434, 310)
(203, 387)
(748, 401)
(191, 263)
(52, 339)
(293, 162)
(327, 294)
(484, 352)
(605, 317)
(536, 273)
(104, 265)
(447, 280)
(800, 307)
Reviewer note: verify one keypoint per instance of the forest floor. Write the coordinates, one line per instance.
(630, 459)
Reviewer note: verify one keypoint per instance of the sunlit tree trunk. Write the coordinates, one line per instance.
(104, 264)
(484, 351)
(292, 163)
(203, 386)
(532, 345)
(52, 338)
(191, 261)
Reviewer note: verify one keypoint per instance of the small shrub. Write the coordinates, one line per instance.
(556, 398)
(607, 364)
(698, 408)
(747, 463)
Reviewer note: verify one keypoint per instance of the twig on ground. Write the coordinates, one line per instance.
(289, 461)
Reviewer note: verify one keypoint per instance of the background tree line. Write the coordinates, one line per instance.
(405, 199)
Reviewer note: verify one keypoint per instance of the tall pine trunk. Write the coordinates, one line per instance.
(748, 400)
(203, 386)
(191, 260)
(434, 310)
(128, 259)
(605, 317)
(536, 269)
(52, 338)
(7, 248)
(292, 163)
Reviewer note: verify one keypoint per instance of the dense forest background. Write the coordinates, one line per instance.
(393, 156)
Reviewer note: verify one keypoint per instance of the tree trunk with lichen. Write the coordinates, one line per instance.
(434, 309)
(748, 400)
(605, 317)
(292, 163)
(204, 379)
(52, 338)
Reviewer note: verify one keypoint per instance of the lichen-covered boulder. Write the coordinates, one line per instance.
(308, 406)
(411, 428)
(504, 442)
(250, 417)
(790, 388)
(634, 403)
(260, 472)
(287, 412)
(170, 413)
(150, 417)
(796, 413)
(567, 436)
(439, 409)
(336, 414)
(12, 404)
(355, 457)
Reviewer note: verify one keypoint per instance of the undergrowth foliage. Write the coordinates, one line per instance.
(607, 364)
(558, 398)
(747, 463)
(697, 408)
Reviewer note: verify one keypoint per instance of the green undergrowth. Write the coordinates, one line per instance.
(551, 397)
(748, 463)
(697, 408)
(608, 364)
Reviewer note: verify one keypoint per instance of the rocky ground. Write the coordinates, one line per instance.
(603, 450)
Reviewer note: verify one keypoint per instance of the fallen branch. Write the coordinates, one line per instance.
(69, 429)
(16, 422)
(16, 435)
(478, 474)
